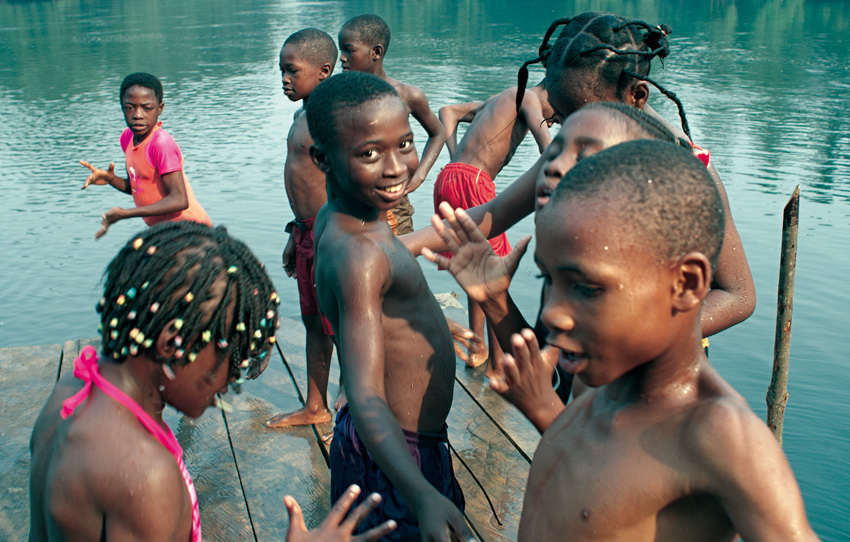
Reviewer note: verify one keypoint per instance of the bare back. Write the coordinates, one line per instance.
(100, 475)
(305, 183)
(700, 469)
(387, 304)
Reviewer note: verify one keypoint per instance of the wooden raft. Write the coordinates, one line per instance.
(242, 469)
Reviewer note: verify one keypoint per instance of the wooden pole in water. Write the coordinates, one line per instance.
(777, 394)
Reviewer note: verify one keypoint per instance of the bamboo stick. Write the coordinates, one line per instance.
(777, 394)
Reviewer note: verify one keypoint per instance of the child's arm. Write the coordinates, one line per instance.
(99, 176)
(732, 298)
(736, 458)
(451, 116)
(360, 278)
(532, 110)
(421, 111)
(175, 201)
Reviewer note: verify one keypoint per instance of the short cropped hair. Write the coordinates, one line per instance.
(641, 125)
(371, 29)
(317, 47)
(346, 91)
(141, 79)
(661, 189)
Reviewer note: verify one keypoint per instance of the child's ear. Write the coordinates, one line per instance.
(167, 342)
(377, 52)
(637, 94)
(319, 157)
(692, 276)
(325, 71)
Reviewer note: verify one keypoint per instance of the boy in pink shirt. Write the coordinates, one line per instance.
(154, 162)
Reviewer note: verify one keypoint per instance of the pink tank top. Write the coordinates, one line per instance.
(85, 368)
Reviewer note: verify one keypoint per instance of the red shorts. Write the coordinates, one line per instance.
(305, 270)
(465, 186)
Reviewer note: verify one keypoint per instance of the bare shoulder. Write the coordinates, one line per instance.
(358, 255)
(412, 96)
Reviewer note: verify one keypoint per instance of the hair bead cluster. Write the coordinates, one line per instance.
(168, 275)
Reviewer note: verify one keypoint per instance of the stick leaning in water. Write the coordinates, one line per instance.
(777, 394)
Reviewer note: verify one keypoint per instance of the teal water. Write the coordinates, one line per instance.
(765, 84)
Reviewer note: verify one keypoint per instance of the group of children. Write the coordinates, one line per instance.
(639, 259)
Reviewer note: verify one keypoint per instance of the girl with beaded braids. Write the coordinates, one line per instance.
(186, 309)
(600, 57)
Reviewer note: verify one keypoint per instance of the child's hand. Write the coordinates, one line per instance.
(98, 176)
(336, 527)
(441, 521)
(465, 338)
(525, 379)
(480, 272)
(288, 258)
(109, 217)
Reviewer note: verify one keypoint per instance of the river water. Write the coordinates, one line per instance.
(766, 85)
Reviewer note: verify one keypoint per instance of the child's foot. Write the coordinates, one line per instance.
(328, 437)
(340, 400)
(476, 359)
(494, 370)
(301, 416)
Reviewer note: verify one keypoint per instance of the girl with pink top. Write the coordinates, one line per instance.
(186, 311)
(154, 163)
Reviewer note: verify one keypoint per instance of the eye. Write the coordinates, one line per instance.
(546, 278)
(587, 290)
(406, 144)
(369, 154)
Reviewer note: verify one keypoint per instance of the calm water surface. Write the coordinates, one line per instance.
(766, 85)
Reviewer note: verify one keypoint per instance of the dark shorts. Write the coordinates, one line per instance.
(351, 464)
(464, 186)
(305, 270)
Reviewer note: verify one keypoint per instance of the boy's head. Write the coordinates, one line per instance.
(627, 246)
(589, 130)
(178, 287)
(600, 57)
(307, 58)
(144, 80)
(363, 140)
(141, 103)
(363, 42)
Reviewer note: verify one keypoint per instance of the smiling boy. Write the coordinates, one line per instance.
(395, 348)
(306, 59)
(363, 43)
(662, 449)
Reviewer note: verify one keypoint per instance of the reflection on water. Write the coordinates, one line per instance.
(765, 84)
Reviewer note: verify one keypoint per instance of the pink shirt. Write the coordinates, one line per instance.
(146, 163)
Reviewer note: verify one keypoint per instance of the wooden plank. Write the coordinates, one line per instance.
(496, 463)
(292, 343)
(276, 462)
(28, 375)
(209, 458)
(507, 417)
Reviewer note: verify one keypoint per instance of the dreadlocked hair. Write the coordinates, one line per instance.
(650, 126)
(171, 273)
(616, 50)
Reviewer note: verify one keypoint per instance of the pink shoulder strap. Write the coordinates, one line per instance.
(85, 368)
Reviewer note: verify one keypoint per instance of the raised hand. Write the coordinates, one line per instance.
(477, 268)
(441, 521)
(98, 176)
(337, 527)
(525, 379)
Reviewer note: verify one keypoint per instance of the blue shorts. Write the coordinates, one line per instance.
(351, 463)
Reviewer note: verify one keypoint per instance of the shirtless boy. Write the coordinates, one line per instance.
(306, 59)
(495, 132)
(395, 348)
(363, 43)
(660, 448)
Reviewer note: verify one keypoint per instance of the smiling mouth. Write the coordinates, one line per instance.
(392, 192)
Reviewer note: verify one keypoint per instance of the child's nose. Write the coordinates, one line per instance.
(556, 317)
(395, 165)
(558, 167)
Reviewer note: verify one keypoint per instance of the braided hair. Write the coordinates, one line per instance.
(171, 273)
(613, 49)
